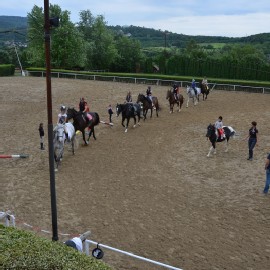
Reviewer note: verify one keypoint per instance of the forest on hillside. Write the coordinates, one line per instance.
(93, 45)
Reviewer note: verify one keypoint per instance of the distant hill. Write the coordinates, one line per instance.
(150, 37)
(13, 28)
(156, 38)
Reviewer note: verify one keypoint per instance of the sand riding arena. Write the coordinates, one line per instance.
(151, 191)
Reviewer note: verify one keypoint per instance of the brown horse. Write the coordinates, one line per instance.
(81, 122)
(204, 90)
(179, 101)
(147, 105)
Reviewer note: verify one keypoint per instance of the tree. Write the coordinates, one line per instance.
(67, 44)
(129, 54)
(104, 52)
(4, 57)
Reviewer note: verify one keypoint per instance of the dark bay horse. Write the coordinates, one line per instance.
(214, 137)
(147, 105)
(179, 101)
(129, 110)
(204, 90)
(81, 122)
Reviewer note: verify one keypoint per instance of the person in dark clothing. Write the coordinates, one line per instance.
(267, 168)
(110, 112)
(128, 97)
(149, 95)
(252, 139)
(82, 105)
(41, 135)
(175, 91)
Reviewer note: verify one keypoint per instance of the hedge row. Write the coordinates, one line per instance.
(7, 70)
(25, 250)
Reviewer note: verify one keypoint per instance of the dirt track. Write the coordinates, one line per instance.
(151, 191)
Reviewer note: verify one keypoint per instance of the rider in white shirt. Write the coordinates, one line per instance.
(219, 127)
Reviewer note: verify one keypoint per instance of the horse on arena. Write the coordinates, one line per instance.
(214, 137)
(147, 105)
(204, 90)
(81, 121)
(179, 101)
(59, 139)
(191, 95)
(129, 110)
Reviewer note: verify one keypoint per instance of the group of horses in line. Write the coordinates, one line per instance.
(191, 95)
(67, 132)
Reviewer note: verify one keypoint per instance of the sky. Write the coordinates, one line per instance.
(230, 18)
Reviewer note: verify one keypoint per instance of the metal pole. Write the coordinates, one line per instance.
(50, 122)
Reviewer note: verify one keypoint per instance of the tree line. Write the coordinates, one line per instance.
(91, 44)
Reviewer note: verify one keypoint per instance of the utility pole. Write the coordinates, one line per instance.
(47, 38)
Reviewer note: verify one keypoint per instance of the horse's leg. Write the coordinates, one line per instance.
(227, 144)
(134, 121)
(123, 119)
(72, 145)
(212, 148)
(83, 134)
(93, 131)
(144, 114)
(89, 135)
(127, 125)
(151, 112)
(187, 101)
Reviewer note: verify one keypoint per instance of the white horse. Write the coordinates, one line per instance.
(62, 134)
(191, 95)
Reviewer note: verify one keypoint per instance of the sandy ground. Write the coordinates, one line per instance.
(151, 191)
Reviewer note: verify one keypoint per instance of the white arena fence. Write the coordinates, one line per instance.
(9, 220)
(88, 242)
(213, 86)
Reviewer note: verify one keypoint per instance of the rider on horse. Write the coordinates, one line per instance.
(193, 86)
(128, 97)
(205, 83)
(149, 95)
(219, 127)
(82, 104)
(62, 116)
(62, 119)
(84, 109)
(175, 91)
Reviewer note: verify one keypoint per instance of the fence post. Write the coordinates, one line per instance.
(86, 247)
(263, 90)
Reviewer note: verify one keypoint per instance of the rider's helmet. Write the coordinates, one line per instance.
(63, 108)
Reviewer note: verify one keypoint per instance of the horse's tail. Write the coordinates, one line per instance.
(98, 119)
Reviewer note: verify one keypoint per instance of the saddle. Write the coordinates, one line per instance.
(87, 117)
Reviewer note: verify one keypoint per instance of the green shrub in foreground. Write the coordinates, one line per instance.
(24, 250)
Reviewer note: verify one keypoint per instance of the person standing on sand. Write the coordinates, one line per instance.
(267, 168)
(41, 135)
(252, 139)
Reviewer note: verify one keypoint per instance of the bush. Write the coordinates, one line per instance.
(7, 70)
(25, 250)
